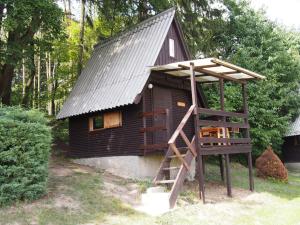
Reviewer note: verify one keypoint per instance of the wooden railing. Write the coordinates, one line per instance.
(222, 122)
(179, 131)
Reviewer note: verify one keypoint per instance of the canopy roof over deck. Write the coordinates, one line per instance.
(208, 70)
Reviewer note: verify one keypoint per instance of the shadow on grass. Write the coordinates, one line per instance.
(240, 179)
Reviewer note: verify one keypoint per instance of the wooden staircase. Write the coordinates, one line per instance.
(185, 156)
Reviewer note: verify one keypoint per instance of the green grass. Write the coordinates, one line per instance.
(288, 190)
(281, 204)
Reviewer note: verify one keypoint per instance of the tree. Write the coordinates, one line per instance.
(81, 37)
(21, 20)
(252, 41)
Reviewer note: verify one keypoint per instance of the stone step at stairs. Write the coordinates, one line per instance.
(155, 201)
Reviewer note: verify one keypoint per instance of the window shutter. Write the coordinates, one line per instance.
(112, 119)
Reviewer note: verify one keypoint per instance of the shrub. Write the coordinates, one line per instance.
(25, 141)
(60, 130)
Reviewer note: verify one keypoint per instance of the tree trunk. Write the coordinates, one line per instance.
(81, 38)
(54, 87)
(6, 77)
(49, 83)
(7, 72)
(23, 78)
(2, 6)
(29, 83)
(70, 11)
(142, 10)
(38, 79)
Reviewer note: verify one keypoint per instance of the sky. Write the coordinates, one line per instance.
(286, 12)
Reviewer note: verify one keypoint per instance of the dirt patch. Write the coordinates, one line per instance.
(63, 168)
(66, 202)
(124, 189)
(214, 193)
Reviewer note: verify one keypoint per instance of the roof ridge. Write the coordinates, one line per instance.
(135, 26)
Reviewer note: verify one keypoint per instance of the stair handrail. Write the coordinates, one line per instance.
(179, 130)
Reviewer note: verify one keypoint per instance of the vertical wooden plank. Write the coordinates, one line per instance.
(247, 135)
(251, 183)
(228, 175)
(221, 167)
(245, 108)
(199, 162)
(144, 120)
(227, 162)
(168, 162)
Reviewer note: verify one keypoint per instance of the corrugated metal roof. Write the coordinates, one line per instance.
(119, 69)
(294, 128)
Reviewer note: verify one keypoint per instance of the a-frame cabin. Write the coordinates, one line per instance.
(139, 93)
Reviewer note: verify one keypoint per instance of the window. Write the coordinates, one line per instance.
(171, 47)
(98, 122)
(105, 120)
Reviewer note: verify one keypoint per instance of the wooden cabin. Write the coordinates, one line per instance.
(291, 146)
(138, 106)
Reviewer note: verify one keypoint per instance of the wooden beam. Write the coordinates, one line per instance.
(221, 113)
(177, 153)
(251, 182)
(247, 134)
(207, 140)
(240, 69)
(199, 162)
(215, 123)
(230, 72)
(170, 70)
(181, 125)
(228, 175)
(186, 140)
(221, 167)
(180, 179)
(206, 66)
(219, 75)
(225, 149)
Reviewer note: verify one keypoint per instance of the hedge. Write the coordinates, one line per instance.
(25, 141)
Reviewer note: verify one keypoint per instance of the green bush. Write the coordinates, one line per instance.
(25, 141)
(60, 130)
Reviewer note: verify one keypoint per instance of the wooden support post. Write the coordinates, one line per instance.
(221, 167)
(199, 162)
(228, 175)
(247, 135)
(251, 183)
(227, 161)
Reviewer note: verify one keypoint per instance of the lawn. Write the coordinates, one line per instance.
(76, 196)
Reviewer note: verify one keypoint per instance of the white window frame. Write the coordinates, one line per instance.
(171, 48)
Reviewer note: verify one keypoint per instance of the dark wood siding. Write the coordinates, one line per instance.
(291, 152)
(180, 54)
(124, 140)
(180, 91)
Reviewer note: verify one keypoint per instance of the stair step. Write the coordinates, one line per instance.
(165, 181)
(171, 168)
(175, 156)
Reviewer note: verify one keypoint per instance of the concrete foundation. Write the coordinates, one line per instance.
(134, 167)
(293, 167)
